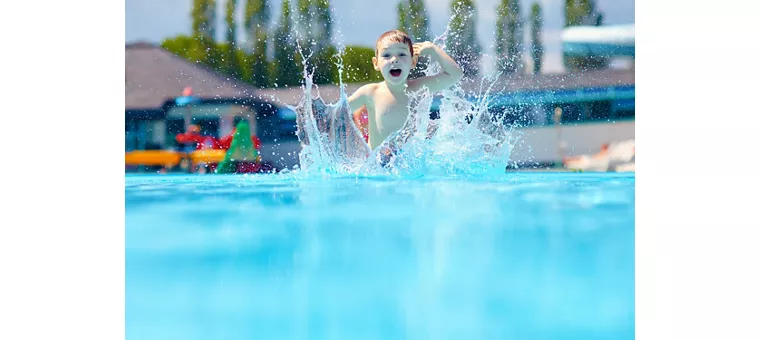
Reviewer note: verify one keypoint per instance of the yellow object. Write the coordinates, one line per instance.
(172, 158)
(153, 157)
(207, 156)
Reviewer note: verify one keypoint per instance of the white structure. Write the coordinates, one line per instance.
(612, 41)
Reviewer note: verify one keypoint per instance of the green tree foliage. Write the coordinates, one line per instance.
(403, 16)
(325, 66)
(314, 25)
(304, 21)
(286, 69)
(357, 65)
(257, 20)
(194, 50)
(233, 66)
(583, 12)
(314, 30)
(244, 60)
(187, 47)
(413, 19)
(326, 70)
(536, 25)
(323, 28)
(461, 40)
(203, 16)
(509, 47)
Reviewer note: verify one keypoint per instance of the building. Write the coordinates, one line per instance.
(156, 110)
(606, 40)
(564, 115)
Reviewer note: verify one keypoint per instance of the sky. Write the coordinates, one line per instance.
(359, 22)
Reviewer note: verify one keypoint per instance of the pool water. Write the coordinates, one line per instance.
(517, 256)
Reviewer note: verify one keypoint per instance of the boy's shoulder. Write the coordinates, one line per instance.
(368, 89)
(371, 86)
(364, 94)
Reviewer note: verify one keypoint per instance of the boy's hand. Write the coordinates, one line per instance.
(423, 48)
(449, 75)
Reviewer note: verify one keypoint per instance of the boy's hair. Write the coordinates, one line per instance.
(395, 36)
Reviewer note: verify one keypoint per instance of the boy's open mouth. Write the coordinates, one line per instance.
(395, 72)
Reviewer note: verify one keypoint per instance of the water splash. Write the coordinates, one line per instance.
(466, 139)
(331, 141)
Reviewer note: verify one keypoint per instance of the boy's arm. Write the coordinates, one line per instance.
(451, 73)
(358, 99)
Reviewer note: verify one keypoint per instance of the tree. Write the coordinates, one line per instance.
(304, 22)
(413, 19)
(201, 47)
(257, 18)
(233, 66)
(314, 25)
(403, 16)
(583, 12)
(325, 68)
(286, 71)
(461, 40)
(536, 25)
(314, 28)
(357, 65)
(322, 30)
(186, 47)
(203, 16)
(509, 47)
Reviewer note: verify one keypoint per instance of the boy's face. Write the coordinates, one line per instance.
(394, 61)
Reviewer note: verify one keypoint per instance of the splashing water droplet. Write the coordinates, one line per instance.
(465, 139)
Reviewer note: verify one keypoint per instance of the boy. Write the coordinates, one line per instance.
(387, 102)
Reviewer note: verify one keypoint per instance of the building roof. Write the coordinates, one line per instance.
(154, 75)
(293, 95)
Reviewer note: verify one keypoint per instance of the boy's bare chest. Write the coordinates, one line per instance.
(391, 107)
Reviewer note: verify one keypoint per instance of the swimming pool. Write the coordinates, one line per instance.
(518, 256)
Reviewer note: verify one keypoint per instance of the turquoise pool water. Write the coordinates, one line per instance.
(518, 256)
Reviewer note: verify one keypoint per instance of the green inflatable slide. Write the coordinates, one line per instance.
(241, 150)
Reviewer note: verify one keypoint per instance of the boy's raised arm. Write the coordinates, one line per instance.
(451, 73)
